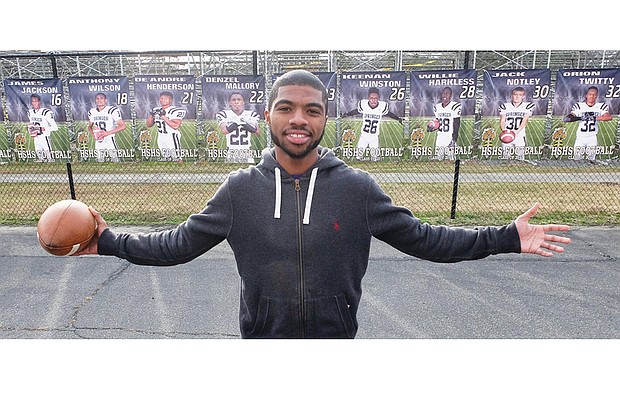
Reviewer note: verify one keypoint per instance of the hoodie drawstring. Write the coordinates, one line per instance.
(309, 197)
(278, 203)
(276, 213)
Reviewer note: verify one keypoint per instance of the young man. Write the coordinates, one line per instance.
(588, 113)
(41, 126)
(514, 116)
(237, 124)
(303, 254)
(448, 114)
(372, 111)
(168, 119)
(105, 121)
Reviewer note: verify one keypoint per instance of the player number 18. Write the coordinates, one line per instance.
(122, 98)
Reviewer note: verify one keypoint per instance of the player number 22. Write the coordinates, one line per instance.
(239, 137)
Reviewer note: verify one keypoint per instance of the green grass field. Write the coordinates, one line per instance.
(170, 200)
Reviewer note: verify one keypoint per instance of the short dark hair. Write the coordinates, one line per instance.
(101, 94)
(168, 94)
(35, 96)
(235, 93)
(297, 77)
(373, 90)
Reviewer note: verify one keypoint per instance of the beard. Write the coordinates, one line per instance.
(287, 148)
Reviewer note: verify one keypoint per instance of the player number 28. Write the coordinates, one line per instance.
(467, 91)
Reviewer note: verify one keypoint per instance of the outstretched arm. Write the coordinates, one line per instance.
(350, 113)
(571, 118)
(535, 239)
(394, 117)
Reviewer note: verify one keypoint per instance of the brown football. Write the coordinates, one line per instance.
(66, 227)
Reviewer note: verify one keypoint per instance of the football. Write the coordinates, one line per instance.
(66, 227)
(96, 134)
(507, 136)
(433, 124)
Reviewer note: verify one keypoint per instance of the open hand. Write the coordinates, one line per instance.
(535, 238)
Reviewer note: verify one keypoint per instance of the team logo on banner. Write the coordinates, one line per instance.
(166, 109)
(584, 107)
(514, 109)
(100, 109)
(233, 109)
(441, 106)
(372, 104)
(35, 109)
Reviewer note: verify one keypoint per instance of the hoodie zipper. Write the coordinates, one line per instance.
(302, 303)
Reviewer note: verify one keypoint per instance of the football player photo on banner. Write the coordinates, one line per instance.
(35, 109)
(514, 110)
(330, 80)
(101, 113)
(233, 110)
(584, 107)
(372, 108)
(166, 117)
(441, 106)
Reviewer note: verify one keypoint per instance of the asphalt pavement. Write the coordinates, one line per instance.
(573, 295)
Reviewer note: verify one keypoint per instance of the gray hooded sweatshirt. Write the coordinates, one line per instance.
(302, 245)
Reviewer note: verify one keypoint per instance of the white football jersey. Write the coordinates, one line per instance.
(106, 118)
(446, 115)
(372, 117)
(516, 114)
(239, 138)
(43, 118)
(588, 124)
(173, 113)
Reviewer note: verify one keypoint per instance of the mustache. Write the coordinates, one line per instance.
(296, 130)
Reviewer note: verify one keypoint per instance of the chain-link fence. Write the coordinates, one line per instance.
(471, 190)
(447, 192)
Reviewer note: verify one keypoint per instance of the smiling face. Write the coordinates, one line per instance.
(35, 102)
(446, 96)
(297, 121)
(165, 100)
